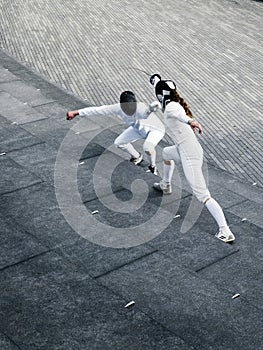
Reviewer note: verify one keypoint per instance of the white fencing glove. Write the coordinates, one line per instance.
(154, 106)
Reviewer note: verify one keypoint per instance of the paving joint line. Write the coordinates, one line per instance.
(25, 147)
(218, 260)
(24, 260)
(125, 264)
(22, 188)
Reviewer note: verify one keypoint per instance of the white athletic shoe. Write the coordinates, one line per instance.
(165, 187)
(225, 235)
(152, 169)
(136, 161)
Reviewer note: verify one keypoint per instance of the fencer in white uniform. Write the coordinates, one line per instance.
(143, 124)
(180, 125)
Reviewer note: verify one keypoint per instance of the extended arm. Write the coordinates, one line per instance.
(107, 110)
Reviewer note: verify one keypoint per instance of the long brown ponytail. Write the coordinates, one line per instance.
(177, 98)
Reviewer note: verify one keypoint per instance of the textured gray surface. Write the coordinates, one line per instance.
(183, 301)
(39, 214)
(16, 244)
(243, 270)
(212, 49)
(6, 343)
(60, 291)
(17, 111)
(13, 137)
(14, 176)
(97, 260)
(69, 310)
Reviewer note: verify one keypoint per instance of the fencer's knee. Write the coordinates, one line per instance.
(206, 200)
(148, 148)
(118, 144)
(165, 154)
(203, 197)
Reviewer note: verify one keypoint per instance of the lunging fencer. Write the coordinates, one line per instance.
(179, 123)
(133, 114)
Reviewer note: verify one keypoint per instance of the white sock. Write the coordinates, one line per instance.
(168, 172)
(217, 212)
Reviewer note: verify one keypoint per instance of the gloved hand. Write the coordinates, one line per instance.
(72, 114)
(195, 125)
(154, 106)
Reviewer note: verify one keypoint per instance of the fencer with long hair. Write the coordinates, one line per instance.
(179, 122)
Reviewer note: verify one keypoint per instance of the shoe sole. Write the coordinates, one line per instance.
(167, 193)
(138, 162)
(230, 240)
(226, 241)
(160, 190)
(149, 171)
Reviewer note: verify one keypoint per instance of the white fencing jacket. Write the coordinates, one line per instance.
(177, 127)
(136, 120)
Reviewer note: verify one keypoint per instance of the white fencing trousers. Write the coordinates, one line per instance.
(152, 138)
(192, 162)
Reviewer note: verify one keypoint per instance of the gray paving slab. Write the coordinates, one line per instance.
(117, 218)
(121, 185)
(48, 131)
(15, 177)
(39, 214)
(16, 244)
(17, 111)
(58, 112)
(55, 111)
(86, 179)
(34, 154)
(234, 186)
(90, 144)
(93, 149)
(50, 300)
(97, 260)
(6, 343)
(183, 302)
(45, 170)
(249, 210)
(25, 93)
(195, 249)
(4, 121)
(243, 270)
(112, 174)
(6, 76)
(14, 137)
(38, 159)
